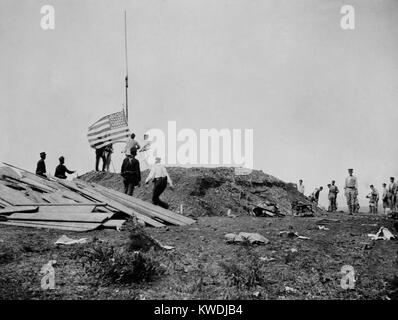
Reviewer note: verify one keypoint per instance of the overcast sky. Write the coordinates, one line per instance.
(319, 99)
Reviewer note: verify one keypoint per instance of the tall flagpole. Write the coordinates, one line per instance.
(127, 69)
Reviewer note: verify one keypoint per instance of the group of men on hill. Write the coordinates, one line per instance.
(60, 171)
(131, 172)
(105, 153)
(389, 195)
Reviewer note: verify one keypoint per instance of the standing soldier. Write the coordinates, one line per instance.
(160, 179)
(351, 191)
(392, 193)
(41, 165)
(300, 187)
(330, 199)
(333, 191)
(384, 198)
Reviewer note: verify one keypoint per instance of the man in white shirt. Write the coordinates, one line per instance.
(160, 179)
(351, 190)
(301, 187)
(131, 143)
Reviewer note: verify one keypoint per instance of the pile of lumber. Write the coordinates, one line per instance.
(30, 200)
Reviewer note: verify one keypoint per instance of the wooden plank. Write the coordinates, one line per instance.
(75, 189)
(35, 177)
(66, 209)
(77, 225)
(9, 210)
(147, 208)
(129, 211)
(14, 185)
(161, 212)
(46, 204)
(56, 198)
(105, 209)
(68, 184)
(67, 226)
(147, 205)
(74, 196)
(62, 217)
(34, 196)
(9, 172)
(39, 185)
(31, 183)
(4, 204)
(146, 212)
(114, 223)
(13, 196)
(114, 204)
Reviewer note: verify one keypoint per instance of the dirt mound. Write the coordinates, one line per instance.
(212, 191)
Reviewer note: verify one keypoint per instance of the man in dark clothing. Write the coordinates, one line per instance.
(41, 165)
(100, 154)
(159, 185)
(61, 169)
(131, 172)
(317, 192)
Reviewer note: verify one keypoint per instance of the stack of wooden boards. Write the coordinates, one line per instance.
(30, 200)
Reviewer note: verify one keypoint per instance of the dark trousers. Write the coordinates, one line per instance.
(333, 203)
(108, 159)
(128, 187)
(159, 185)
(99, 156)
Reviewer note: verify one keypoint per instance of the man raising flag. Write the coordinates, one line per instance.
(106, 131)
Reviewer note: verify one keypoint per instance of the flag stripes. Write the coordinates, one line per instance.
(109, 129)
(107, 136)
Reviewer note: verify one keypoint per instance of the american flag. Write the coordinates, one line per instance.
(109, 129)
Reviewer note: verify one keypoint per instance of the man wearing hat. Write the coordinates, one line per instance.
(351, 190)
(131, 172)
(41, 165)
(392, 193)
(61, 170)
(160, 179)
